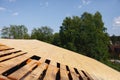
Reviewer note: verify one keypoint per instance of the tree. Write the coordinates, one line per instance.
(115, 39)
(56, 39)
(86, 35)
(5, 32)
(44, 34)
(15, 31)
(69, 32)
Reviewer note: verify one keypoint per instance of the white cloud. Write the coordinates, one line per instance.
(83, 3)
(2, 8)
(11, 0)
(116, 21)
(80, 6)
(43, 5)
(86, 2)
(15, 14)
(46, 4)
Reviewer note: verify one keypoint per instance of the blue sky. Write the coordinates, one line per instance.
(37, 13)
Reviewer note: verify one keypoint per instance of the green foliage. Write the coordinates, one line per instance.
(56, 39)
(5, 32)
(69, 32)
(15, 31)
(86, 35)
(44, 34)
(115, 39)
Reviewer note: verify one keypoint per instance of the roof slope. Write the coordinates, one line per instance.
(96, 69)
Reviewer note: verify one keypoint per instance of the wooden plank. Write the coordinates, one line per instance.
(37, 72)
(3, 78)
(63, 72)
(4, 47)
(8, 51)
(12, 62)
(88, 75)
(42, 60)
(82, 75)
(22, 71)
(74, 75)
(11, 56)
(63, 66)
(52, 62)
(51, 73)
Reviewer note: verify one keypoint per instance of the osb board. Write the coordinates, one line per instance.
(66, 57)
(19, 65)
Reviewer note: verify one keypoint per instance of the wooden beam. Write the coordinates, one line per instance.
(3, 78)
(51, 73)
(6, 65)
(4, 48)
(37, 72)
(8, 52)
(82, 75)
(11, 56)
(74, 75)
(42, 60)
(23, 71)
(63, 73)
(88, 75)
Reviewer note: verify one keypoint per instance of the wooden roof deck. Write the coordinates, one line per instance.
(18, 65)
(68, 63)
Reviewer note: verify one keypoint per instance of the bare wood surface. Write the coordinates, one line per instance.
(37, 72)
(74, 75)
(2, 44)
(12, 62)
(3, 78)
(4, 47)
(63, 75)
(63, 72)
(82, 75)
(63, 66)
(8, 51)
(88, 75)
(63, 56)
(11, 56)
(24, 70)
(51, 73)
(42, 60)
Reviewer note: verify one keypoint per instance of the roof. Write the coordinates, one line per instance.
(57, 57)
